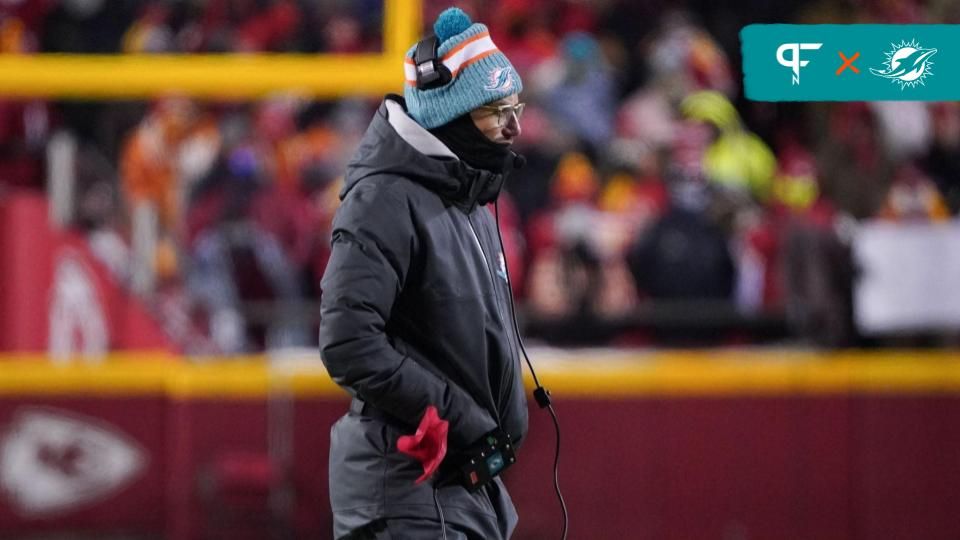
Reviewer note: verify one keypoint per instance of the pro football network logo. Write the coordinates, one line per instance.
(907, 64)
(500, 79)
(794, 62)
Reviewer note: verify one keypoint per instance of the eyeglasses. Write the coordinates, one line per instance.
(504, 111)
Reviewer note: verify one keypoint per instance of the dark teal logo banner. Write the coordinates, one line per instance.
(851, 62)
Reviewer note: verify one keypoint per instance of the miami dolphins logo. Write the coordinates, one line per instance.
(907, 64)
(500, 79)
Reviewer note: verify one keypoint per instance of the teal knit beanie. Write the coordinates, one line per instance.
(481, 73)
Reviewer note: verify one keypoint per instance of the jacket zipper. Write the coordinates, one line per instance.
(493, 285)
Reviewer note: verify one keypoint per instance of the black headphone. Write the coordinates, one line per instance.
(431, 73)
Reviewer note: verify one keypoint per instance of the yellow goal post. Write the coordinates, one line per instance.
(217, 76)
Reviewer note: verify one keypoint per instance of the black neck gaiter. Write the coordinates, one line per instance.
(465, 139)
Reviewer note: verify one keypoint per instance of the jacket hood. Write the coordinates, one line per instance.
(394, 144)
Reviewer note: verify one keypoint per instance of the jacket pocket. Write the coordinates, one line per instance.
(358, 448)
(366, 469)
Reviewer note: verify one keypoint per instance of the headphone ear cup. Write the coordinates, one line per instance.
(426, 54)
(442, 77)
(445, 75)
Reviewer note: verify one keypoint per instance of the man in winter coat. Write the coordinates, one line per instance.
(416, 318)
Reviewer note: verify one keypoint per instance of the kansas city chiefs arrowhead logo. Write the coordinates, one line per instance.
(53, 461)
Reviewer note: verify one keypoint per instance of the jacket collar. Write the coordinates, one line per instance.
(475, 186)
(420, 139)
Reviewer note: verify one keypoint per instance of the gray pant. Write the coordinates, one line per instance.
(410, 529)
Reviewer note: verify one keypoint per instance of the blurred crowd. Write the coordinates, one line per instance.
(191, 26)
(650, 182)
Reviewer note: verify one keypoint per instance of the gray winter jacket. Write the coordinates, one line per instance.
(416, 312)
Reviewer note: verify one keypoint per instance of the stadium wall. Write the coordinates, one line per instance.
(667, 445)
